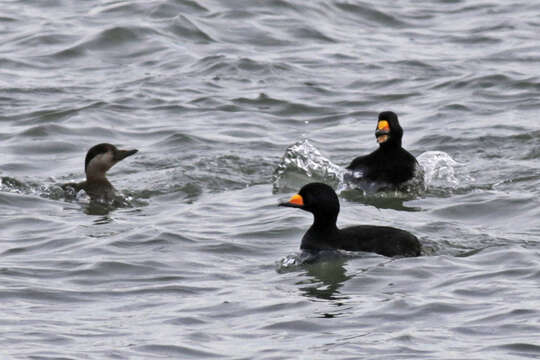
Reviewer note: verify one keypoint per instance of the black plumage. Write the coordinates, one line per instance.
(390, 165)
(322, 201)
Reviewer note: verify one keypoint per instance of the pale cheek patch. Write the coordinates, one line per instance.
(100, 164)
(382, 138)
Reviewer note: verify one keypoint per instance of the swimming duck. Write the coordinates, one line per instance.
(390, 165)
(99, 159)
(322, 201)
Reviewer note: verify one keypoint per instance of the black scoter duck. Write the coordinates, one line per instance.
(390, 165)
(322, 201)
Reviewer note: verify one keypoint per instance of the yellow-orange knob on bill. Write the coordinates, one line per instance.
(296, 200)
(383, 125)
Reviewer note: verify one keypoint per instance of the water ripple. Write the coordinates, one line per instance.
(216, 95)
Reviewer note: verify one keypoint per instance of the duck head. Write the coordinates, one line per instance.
(388, 131)
(319, 199)
(100, 158)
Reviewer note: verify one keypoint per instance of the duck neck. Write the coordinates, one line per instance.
(96, 176)
(97, 183)
(324, 222)
(392, 145)
(319, 236)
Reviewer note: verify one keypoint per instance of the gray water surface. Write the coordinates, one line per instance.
(201, 263)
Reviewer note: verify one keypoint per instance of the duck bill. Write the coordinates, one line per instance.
(122, 154)
(382, 133)
(296, 201)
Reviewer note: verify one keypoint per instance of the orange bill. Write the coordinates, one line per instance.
(296, 200)
(383, 125)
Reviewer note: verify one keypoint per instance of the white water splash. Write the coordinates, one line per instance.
(303, 163)
(439, 169)
(303, 160)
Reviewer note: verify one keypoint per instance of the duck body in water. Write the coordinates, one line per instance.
(390, 165)
(322, 201)
(99, 159)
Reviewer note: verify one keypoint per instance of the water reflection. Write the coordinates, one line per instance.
(97, 207)
(394, 200)
(326, 278)
(102, 220)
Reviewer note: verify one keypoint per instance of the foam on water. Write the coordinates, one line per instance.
(303, 162)
(439, 169)
(294, 262)
(53, 191)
